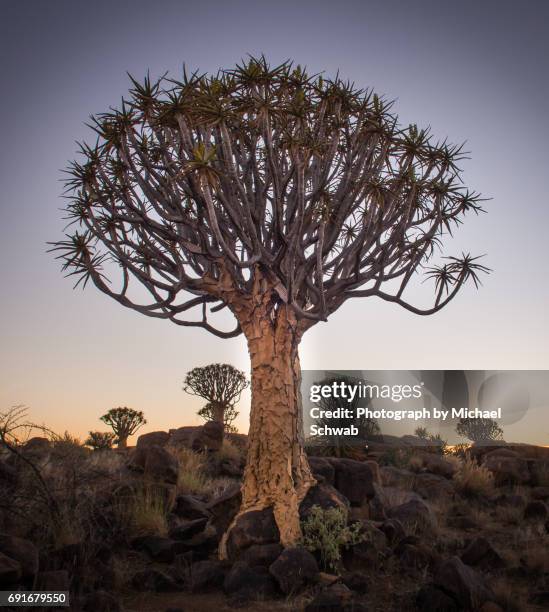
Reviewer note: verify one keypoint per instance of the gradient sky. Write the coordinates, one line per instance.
(473, 71)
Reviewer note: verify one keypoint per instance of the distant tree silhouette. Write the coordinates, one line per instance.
(479, 430)
(221, 385)
(422, 433)
(124, 422)
(100, 440)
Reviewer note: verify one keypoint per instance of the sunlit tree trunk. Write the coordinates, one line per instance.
(277, 472)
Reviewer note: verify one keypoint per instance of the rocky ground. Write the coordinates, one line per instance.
(138, 530)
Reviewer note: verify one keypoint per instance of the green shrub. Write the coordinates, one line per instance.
(326, 532)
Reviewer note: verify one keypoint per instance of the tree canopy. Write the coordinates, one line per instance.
(195, 185)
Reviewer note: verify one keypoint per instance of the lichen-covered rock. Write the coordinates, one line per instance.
(480, 553)
(466, 586)
(294, 569)
(10, 571)
(432, 599)
(432, 487)
(190, 507)
(325, 496)
(206, 575)
(209, 437)
(156, 464)
(261, 554)
(156, 547)
(21, 550)
(224, 508)
(506, 469)
(255, 527)
(153, 438)
(415, 515)
(322, 469)
(353, 479)
(534, 511)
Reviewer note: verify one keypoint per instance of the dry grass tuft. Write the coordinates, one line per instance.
(473, 480)
(144, 513)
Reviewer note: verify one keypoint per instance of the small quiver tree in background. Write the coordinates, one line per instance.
(221, 385)
(479, 430)
(124, 422)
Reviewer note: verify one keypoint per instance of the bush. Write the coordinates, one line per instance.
(100, 440)
(326, 532)
(472, 479)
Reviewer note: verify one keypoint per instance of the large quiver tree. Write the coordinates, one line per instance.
(277, 196)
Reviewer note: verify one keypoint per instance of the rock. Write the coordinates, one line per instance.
(490, 606)
(57, 580)
(101, 601)
(432, 599)
(539, 598)
(320, 467)
(208, 574)
(255, 527)
(8, 475)
(190, 507)
(337, 598)
(209, 437)
(153, 438)
(438, 465)
(156, 463)
(415, 516)
(394, 530)
(252, 582)
(202, 545)
(325, 496)
(10, 570)
(540, 493)
(157, 548)
(294, 569)
(188, 529)
(367, 551)
(224, 508)
(374, 467)
(462, 583)
(183, 436)
(534, 511)
(356, 581)
(509, 499)
(414, 554)
(482, 554)
(395, 477)
(261, 554)
(432, 487)
(155, 580)
(507, 470)
(353, 479)
(23, 551)
(538, 471)
(37, 445)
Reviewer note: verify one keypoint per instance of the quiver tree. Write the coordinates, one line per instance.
(209, 413)
(124, 422)
(100, 440)
(479, 430)
(221, 385)
(275, 195)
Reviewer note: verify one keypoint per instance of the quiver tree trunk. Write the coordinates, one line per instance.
(122, 441)
(277, 472)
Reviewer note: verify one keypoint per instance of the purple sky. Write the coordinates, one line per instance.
(474, 71)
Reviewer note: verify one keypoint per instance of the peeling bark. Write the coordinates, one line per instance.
(277, 471)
